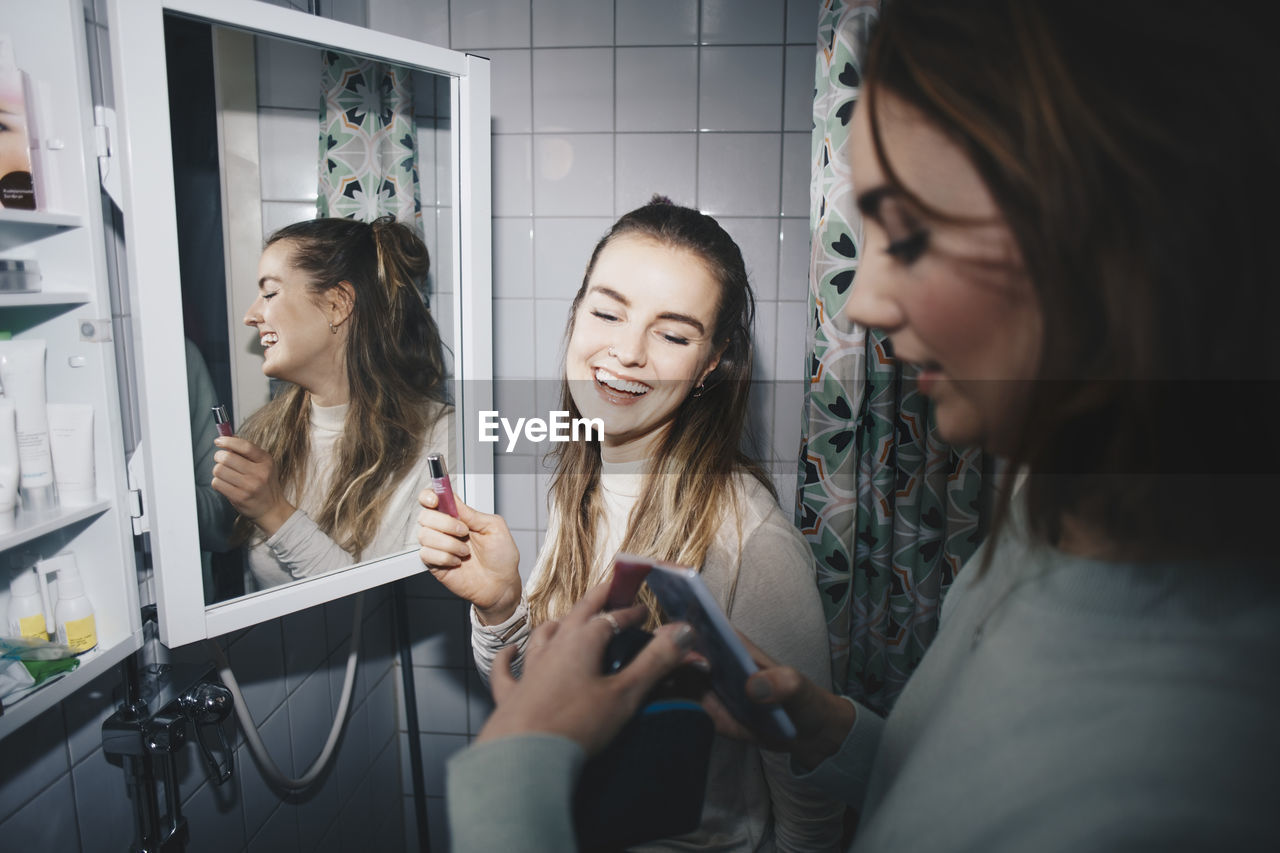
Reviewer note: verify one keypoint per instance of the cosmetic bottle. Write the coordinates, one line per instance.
(441, 485)
(26, 610)
(73, 613)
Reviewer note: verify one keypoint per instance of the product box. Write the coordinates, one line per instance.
(17, 189)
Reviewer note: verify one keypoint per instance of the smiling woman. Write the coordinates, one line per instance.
(329, 470)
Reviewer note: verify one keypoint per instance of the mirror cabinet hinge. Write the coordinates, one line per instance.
(104, 132)
(137, 475)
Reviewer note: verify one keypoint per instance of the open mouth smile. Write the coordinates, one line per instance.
(268, 339)
(616, 389)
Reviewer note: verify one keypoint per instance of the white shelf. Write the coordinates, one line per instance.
(40, 218)
(12, 299)
(33, 525)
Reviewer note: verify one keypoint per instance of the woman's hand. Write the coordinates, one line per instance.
(473, 555)
(822, 719)
(563, 690)
(245, 474)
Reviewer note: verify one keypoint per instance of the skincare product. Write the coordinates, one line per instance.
(17, 190)
(441, 485)
(8, 465)
(22, 375)
(19, 275)
(71, 443)
(223, 421)
(73, 614)
(26, 610)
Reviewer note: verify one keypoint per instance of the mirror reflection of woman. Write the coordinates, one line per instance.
(328, 472)
(659, 348)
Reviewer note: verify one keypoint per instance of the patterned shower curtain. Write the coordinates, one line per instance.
(368, 141)
(890, 511)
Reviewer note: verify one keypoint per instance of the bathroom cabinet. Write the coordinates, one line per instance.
(72, 313)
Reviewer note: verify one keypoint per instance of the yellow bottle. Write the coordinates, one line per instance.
(26, 612)
(73, 613)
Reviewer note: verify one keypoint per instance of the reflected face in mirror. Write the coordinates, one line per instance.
(359, 410)
(303, 334)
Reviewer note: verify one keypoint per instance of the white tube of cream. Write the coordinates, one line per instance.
(9, 471)
(22, 374)
(71, 441)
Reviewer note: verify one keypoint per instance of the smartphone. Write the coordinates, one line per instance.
(628, 574)
(441, 485)
(685, 598)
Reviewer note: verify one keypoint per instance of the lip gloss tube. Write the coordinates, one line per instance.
(440, 484)
(223, 422)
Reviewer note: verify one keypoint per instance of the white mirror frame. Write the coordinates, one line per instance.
(144, 152)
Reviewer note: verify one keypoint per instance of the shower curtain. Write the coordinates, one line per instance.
(368, 141)
(890, 511)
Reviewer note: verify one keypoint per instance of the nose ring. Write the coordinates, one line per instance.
(613, 352)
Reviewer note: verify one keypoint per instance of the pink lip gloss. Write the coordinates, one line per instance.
(223, 422)
(440, 484)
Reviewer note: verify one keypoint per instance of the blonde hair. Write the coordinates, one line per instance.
(689, 487)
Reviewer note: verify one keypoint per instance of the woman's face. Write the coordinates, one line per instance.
(641, 341)
(952, 297)
(293, 328)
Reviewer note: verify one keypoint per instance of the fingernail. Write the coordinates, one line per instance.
(759, 690)
(684, 638)
(701, 664)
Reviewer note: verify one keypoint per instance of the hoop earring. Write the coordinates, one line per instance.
(333, 328)
(700, 390)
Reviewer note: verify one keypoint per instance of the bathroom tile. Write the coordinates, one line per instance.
(102, 806)
(766, 341)
(424, 94)
(788, 401)
(353, 822)
(257, 796)
(217, 812)
(442, 263)
(381, 711)
(738, 173)
(425, 135)
(510, 91)
(561, 23)
(288, 74)
(335, 669)
(350, 11)
(561, 250)
(795, 174)
(445, 188)
(304, 646)
(488, 23)
(479, 701)
(310, 718)
(277, 214)
(32, 829)
(442, 700)
(352, 760)
(758, 439)
(544, 490)
(438, 632)
(573, 175)
(758, 240)
(551, 316)
(797, 93)
(793, 263)
(573, 90)
(513, 338)
(789, 365)
(281, 135)
(278, 835)
(512, 175)
(649, 163)
(422, 20)
(385, 823)
(423, 585)
(657, 88)
(338, 617)
(527, 542)
(802, 21)
(656, 22)
(436, 750)
(85, 711)
(437, 824)
(378, 644)
(516, 486)
(257, 659)
(316, 812)
(512, 257)
(742, 21)
(740, 88)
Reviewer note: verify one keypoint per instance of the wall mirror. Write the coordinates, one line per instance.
(218, 149)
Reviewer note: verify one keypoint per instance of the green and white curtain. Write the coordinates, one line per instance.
(368, 141)
(890, 511)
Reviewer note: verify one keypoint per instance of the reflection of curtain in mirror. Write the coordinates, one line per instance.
(890, 511)
(368, 141)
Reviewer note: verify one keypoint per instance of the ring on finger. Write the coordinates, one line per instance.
(613, 622)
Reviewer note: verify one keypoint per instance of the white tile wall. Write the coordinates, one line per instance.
(649, 163)
(561, 23)
(657, 88)
(560, 253)
(573, 90)
(739, 173)
(573, 174)
(656, 21)
(742, 21)
(740, 88)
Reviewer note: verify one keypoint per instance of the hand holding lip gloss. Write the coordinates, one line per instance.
(441, 485)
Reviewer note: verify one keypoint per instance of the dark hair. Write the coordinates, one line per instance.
(395, 370)
(1134, 161)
